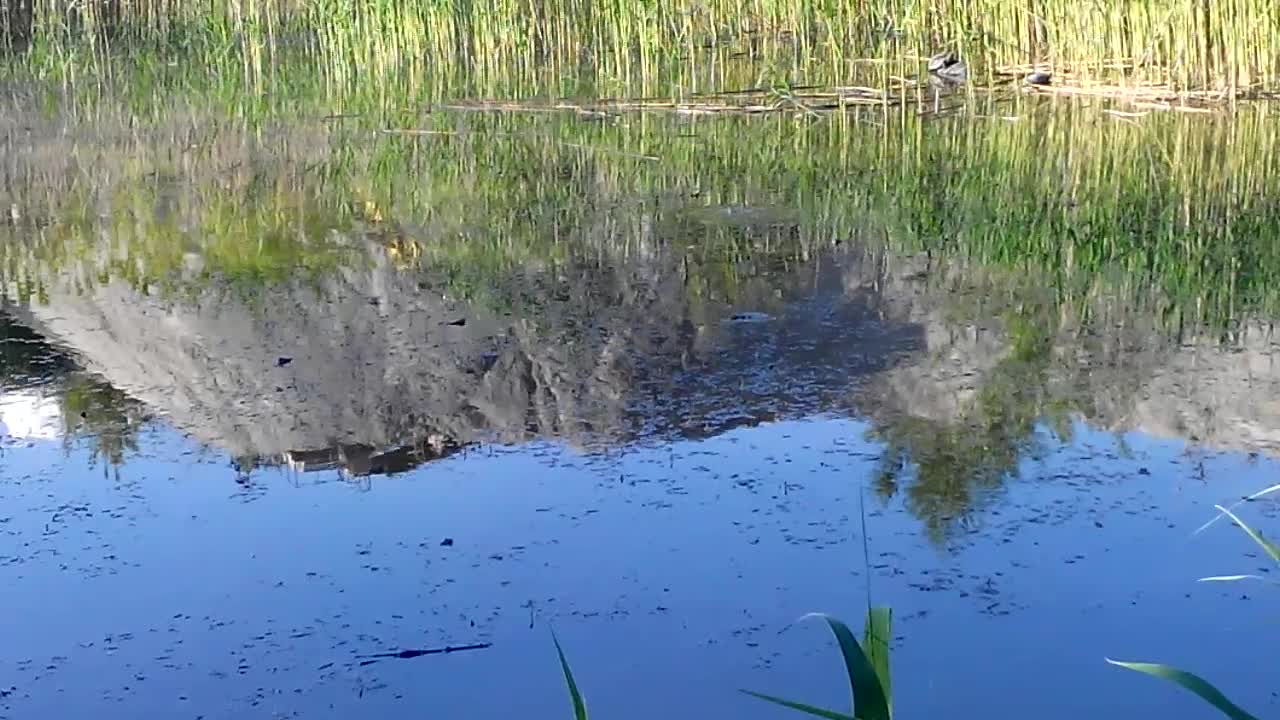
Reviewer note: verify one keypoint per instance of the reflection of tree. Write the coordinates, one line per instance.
(92, 410)
(948, 469)
(106, 418)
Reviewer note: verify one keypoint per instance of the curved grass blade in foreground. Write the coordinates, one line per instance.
(1269, 547)
(1224, 512)
(1194, 683)
(579, 705)
(868, 679)
(875, 639)
(802, 707)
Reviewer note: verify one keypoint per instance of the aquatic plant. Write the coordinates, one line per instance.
(1194, 683)
(646, 47)
(1269, 547)
(579, 704)
(866, 664)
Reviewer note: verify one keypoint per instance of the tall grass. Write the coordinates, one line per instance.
(649, 46)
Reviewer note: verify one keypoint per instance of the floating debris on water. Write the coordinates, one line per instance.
(749, 317)
(410, 654)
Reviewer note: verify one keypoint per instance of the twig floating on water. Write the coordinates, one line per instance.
(410, 654)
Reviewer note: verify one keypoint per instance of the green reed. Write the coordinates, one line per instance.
(1195, 684)
(536, 47)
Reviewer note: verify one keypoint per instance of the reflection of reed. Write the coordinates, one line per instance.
(1167, 213)
(956, 284)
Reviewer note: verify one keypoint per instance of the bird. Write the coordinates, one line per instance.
(948, 67)
(1039, 77)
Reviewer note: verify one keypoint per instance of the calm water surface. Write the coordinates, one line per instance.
(225, 483)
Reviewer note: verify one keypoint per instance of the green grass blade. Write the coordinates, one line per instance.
(870, 693)
(1260, 494)
(809, 709)
(869, 701)
(875, 638)
(1271, 548)
(579, 705)
(1194, 683)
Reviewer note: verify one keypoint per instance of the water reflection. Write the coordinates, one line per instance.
(376, 360)
(379, 366)
(638, 398)
(539, 292)
(47, 396)
(697, 555)
(27, 358)
(26, 415)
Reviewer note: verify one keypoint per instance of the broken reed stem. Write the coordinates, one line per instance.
(811, 100)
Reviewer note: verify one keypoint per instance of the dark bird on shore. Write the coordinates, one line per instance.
(1039, 77)
(949, 67)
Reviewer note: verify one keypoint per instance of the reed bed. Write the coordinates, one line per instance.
(521, 48)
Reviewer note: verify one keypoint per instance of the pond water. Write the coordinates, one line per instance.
(279, 397)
